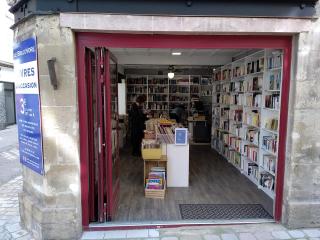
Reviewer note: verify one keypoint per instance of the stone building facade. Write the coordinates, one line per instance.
(50, 205)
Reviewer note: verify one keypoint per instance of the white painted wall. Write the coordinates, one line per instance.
(6, 39)
(6, 74)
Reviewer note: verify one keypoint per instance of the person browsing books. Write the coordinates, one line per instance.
(137, 120)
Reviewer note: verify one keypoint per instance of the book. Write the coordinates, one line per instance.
(267, 181)
(269, 163)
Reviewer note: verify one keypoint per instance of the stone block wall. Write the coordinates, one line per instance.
(50, 205)
(302, 180)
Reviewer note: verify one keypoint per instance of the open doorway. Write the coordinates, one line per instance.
(232, 109)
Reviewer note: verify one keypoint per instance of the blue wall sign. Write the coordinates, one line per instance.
(28, 104)
(181, 136)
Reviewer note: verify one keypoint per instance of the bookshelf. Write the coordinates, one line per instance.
(245, 115)
(164, 94)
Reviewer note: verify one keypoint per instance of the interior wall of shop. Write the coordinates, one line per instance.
(50, 205)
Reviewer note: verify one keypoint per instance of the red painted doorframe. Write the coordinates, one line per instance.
(109, 40)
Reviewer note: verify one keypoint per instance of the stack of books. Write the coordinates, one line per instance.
(156, 178)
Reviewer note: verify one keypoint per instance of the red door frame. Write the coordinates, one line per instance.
(87, 39)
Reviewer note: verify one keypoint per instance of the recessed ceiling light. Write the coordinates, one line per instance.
(176, 53)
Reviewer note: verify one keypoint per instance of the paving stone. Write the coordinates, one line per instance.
(169, 238)
(2, 222)
(92, 235)
(296, 233)
(19, 233)
(13, 227)
(281, 235)
(229, 236)
(26, 237)
(211, 237)
(141, 233)
(115, 234)
(263, 235)
(154, 233)
(312, 232)
(247, 236)
(314, 238)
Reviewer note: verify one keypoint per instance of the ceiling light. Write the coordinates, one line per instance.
(170, 75)
(176, 53)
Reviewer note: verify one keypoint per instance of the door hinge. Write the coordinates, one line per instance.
(105, 211)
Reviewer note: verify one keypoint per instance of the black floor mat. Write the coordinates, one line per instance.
(223, 211)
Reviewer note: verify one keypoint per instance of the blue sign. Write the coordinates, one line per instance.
(181, 136)
(28, 104)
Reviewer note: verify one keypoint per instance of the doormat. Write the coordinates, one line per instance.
(223, 211)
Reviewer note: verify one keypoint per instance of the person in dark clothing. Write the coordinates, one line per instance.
(137, 120)
(177, 113)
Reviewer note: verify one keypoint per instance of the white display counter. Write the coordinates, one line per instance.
(177, 165)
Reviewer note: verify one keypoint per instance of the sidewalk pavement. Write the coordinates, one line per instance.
(263, 231)
(9, 211)
(9, 154)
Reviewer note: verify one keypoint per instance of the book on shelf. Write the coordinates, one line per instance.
(274, 81)
(255, 65)
(225, 99)
(217, 75)
(224, 124)
(157, 89)
(272, 124)
(224, 113)
(235, 143)
(270, 143)
(267, 180)
(272, 101)
(206, 81)
(237, 129)
(269, 163)
(137, 80)
(195, 80)
(239, 71)
(225, 138)
(274, 61)
(235, 158)
(158, 80)
(252, 135)
(252, 118)
(251, 152)
(226, 74)
(253, 100)
(241, 99)
(253, 170)
(253, 84)
(225, 87)
(237, 86)
(236, 115)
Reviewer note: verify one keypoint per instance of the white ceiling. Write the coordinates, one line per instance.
(157, 56)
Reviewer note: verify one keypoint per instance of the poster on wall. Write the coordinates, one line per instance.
(28, 104)
(181, 136)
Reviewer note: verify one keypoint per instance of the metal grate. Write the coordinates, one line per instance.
(223, 211)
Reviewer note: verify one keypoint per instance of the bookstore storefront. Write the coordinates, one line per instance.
(246, 143)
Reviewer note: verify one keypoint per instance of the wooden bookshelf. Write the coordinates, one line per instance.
(249, 89)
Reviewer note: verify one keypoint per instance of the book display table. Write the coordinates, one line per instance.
(178, 165)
